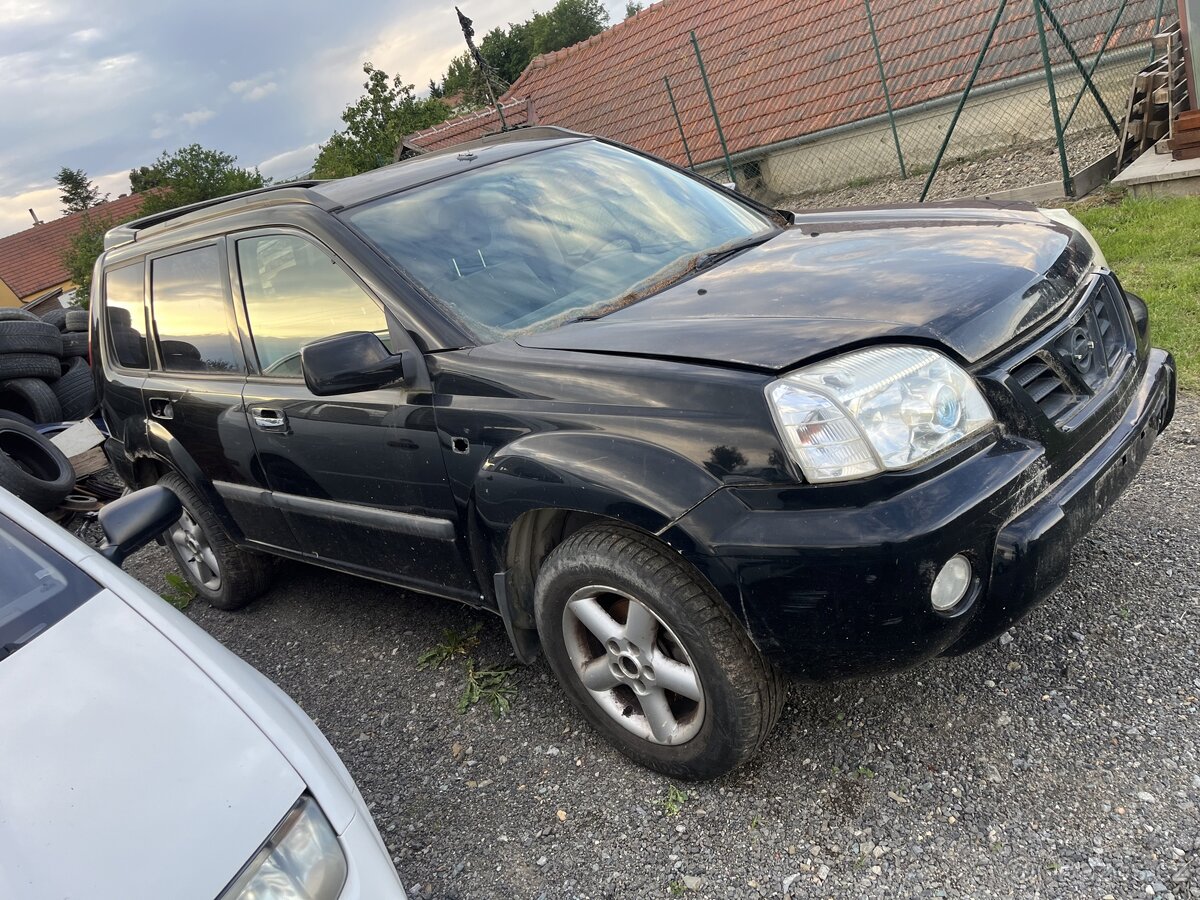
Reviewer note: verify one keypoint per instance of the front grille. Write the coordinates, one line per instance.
(1076, 363)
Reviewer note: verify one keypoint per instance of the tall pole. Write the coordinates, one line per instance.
(1068, 189)
(712, 104)
(468, 35)
(679, 122)
(887, 96)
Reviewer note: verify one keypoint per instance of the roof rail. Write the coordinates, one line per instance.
(289, 191)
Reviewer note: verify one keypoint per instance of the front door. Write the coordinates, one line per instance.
(359, 477)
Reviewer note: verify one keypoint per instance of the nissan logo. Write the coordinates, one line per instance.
(1079, 345)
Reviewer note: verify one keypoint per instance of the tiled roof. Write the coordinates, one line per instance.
(31, 260)
(781, 68)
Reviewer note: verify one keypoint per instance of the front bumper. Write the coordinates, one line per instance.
(838, 589)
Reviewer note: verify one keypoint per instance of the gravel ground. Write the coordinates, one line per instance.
(1058, 762)
(1016, 168)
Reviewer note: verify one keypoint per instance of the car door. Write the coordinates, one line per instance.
(193, 393)
(360, 477)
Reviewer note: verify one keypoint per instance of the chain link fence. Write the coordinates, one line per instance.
(1011, 94)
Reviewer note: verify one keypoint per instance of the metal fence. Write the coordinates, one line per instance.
(1021, 92)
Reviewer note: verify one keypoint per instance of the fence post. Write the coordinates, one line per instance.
(679, 122)
(1068, 189)
(712, 104)
(1095, 64)
(1087, 79)
(987, 42)
(887, 96)
(1157, 25)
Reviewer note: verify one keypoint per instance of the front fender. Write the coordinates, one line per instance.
(158, 444)
(620, 478)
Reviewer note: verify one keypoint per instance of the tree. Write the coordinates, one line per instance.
(566, 23)
(190, 175)
(80, 256)
(632, 8)
(76, 191)
(375, 123)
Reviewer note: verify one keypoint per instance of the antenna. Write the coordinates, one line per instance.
(468, 35)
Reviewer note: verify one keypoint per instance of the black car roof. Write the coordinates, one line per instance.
(343, 192)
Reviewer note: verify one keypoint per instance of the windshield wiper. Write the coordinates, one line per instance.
(711, 257)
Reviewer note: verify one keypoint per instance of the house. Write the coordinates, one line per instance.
(31, 260)
(797, 84)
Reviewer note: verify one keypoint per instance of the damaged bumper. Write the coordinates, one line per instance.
(829, 587)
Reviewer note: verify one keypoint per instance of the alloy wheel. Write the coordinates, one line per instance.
(633, 665)
(196, 552)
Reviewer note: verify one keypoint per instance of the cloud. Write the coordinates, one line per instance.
(254, 89)
(46, 204)
(290, 163)
(196, 117)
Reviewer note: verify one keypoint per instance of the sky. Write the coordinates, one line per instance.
(107, 85)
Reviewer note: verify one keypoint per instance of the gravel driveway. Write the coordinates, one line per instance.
(1061, 762)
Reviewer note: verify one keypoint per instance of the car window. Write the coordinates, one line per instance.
(126, 314)
(191, 317)
(578, 230)
(297, 293)
(40, 588)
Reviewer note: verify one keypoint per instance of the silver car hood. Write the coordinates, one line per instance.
(125, 771)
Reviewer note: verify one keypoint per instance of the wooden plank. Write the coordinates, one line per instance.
(89, 462)
(81, 436)
(1186, 120)
(1186, 153)
(1156, 130)
(1181, 140)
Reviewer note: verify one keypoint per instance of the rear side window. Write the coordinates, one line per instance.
(297, 293)
(125, 314)
(191, 316)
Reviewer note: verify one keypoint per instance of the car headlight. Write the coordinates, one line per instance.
(873, 410)
(301, 860)
(1062, 217)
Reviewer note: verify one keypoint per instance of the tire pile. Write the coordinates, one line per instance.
(44, 378)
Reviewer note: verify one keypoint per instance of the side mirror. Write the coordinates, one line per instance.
(355, 361)
(135, 520)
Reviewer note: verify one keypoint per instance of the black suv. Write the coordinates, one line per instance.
(679, 441)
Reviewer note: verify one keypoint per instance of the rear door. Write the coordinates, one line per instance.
(193, 393)
(359, 477)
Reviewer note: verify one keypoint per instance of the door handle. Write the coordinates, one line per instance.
(268, 419)
(161, 408)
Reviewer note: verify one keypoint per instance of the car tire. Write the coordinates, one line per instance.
(76, 390)
(32, 467)
(74, 343)
(682, 635)
(17, 315)
(221, 572)
(77, 320)
(29, 365)
(32, 398)
(30, 337)
(56, 317)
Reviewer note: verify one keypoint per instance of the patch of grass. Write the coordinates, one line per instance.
(492, 687)
(674, 801)
(1154, 247)
(451, 645)
(755, 823)
(179, 592)
(865, 772)
(677, 888)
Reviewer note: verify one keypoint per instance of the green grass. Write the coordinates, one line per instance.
(1154, 247)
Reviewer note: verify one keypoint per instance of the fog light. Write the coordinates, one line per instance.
(951, 584)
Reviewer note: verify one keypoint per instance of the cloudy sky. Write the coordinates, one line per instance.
(104, 86)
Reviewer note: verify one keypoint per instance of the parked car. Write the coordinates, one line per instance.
(141, 759)
(679, 441)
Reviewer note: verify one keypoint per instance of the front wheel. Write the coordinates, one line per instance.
(220, 571)
(652, 656)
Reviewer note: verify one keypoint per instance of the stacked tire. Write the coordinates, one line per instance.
(44, 377)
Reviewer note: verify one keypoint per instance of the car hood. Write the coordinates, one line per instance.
(970, 277)
(125, 771)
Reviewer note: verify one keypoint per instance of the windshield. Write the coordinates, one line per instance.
(566, 233)
(39, 588)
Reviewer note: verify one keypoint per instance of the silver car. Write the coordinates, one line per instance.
(141, 759)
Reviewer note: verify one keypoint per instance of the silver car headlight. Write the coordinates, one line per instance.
(301, 860)
(875, 410)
